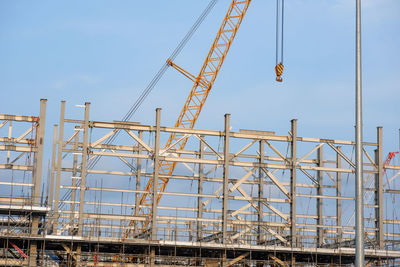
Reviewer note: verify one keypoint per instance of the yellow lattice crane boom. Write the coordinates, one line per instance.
(203, 83)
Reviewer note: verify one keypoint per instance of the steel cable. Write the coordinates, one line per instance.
(92, 163)
(280, 9)
(158, 76)
(283, 12)
(277, 33)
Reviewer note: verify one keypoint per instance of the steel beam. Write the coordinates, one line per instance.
(138, 177)
(225, 183)
(320, 181)
(38, 157)
(293, 181)
(338, 195)
(155, 176)
(58, 167)
(33, 252)
(53, 163)
(260, 193)
(74, 179)
(83, 169)
(379, 191)
(200, 190)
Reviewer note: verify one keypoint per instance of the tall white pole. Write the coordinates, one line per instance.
(359, 171)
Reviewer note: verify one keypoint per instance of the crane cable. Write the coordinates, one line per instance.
(158, 76)
(174, 54)
(280, 8)
(92, 163)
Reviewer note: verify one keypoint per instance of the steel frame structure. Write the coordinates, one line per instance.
(203, 83)
(22, 204)
(235, 197)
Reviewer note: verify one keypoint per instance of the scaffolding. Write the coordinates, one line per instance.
(244, 198)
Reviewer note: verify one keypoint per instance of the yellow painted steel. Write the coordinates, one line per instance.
(279, 71)
(193, 106)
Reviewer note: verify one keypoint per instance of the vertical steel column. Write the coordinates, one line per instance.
(200, 192)
(379, 191)
(37, 180)
(155, 176)
(320, 222)
(73, 179)
(226, 180)
(138, 177)
(152, 257)
(224, 261)
(32, 254)
(359, 194)
(58, 166)
(293, 153)
(38, 158)
(338, 200)
(83, 169)
(78, 252)
(9, 138)
(53, 162)
(260, 193)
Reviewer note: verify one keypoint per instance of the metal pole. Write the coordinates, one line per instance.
(359, 172)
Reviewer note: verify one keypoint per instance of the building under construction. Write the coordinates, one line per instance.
(245, 198)
(113, 195)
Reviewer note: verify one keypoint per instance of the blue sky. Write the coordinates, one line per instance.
(106, 52)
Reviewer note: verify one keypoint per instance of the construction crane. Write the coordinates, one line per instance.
(202, 84)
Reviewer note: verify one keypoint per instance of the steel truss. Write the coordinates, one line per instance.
(235, 197)
(22, 204)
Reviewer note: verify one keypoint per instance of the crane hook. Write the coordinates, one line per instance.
(279, 70)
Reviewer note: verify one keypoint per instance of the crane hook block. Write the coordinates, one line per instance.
(279, 70)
